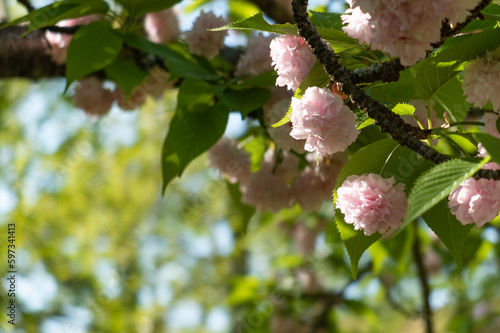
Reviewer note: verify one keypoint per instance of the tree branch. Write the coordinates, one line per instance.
(274, 10)
(386, 72)
(422, 275)
(27, 4)
(388, 122)
(448, 31)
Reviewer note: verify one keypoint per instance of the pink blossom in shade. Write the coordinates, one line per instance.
(475, 201)
(129, 103)
(284, 165)
(281, 135)
(372, 203)
(256, 60)
(482, 81)
(232, 162)
(157, 82)
(404, 28)
(203, 42)
(266, 192)
(490, 124)
(315, 184)
(162, 27)
(92, 97)
(59, 42)
(323, 120)
(292, 60)
(482, 152)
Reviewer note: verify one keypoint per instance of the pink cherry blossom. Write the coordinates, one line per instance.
(372, 203)
(92, 97)
(266, 192)
(203, 42)
(231, 162)
(482, 81)
(490, 124)
(315, 184)
(256, 60)
(323, 120)
(404, 28)
(162, 27)
(285, 165)
(281, 135)
(475, 201)
(292, 60)
(59, 42)
(129, 103)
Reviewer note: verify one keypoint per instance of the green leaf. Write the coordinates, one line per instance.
(245, 211)
(63, 10)
(286, 117)
(403, 109)
(316, 77)
(435, 185)
(339, 40)
(141, 7)
(432, 75)
(92, 48)
(195, 129)
(169, 163)
(58, 11)
(179, 63)
(126, 74)
(388, 159)
(245, 100)
(258, 23)
(256, 148)
(451, 97)
(193, 91)
(449, 230)
(267, 79)
(491, 144)
(492, 12)
(330, 21)
(355, 241)
(393, 92)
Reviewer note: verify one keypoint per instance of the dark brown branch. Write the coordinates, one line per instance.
(26, 56)
(388, 122)
(448, 31)
(274, 10)
(386, 72)
(422, 275)
(27, 4)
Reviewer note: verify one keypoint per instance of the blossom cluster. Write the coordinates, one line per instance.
(403, 28)
(94, 99)
(279, 182)
(372, 203)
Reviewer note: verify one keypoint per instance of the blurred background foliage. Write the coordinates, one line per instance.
(100, 250)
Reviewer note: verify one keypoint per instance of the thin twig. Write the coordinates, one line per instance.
(27, 4)
(422, 275)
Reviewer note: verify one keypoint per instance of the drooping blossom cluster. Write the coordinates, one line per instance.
(482, 81)
(279, 182)
(92, 97)
(232, 162)
(372, 203)
(292, 60)
(59, 42)
(321, 118)
(315, 184)
(475, 201)
(162, 27)
(490, 124)
(203, 42)
(403, 28)
(256, 60)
